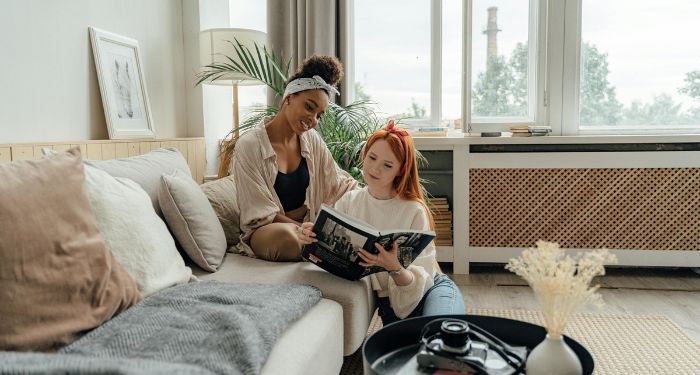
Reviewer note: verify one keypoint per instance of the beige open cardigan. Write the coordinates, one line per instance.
(254, 169)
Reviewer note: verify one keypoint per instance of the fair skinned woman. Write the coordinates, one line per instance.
(393, 199)
(283, 170)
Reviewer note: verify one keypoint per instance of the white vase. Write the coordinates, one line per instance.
(553, 357)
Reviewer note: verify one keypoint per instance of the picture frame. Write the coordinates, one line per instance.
(122, 85)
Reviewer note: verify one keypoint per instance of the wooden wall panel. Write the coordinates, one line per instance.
(5, 154)
(22, 152)
(109, 151)
(192, 149)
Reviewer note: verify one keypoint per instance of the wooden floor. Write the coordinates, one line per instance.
(674, 293)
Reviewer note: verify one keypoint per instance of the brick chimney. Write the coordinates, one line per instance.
(491, 31)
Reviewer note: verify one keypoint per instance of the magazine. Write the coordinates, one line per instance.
(341, 237)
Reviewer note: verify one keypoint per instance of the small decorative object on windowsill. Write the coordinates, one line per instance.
(561, 284)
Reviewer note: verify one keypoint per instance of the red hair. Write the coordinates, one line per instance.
(406, 184)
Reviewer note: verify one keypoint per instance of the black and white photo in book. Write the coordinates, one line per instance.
(340, 238)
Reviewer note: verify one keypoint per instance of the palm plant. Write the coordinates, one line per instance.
(344, 129)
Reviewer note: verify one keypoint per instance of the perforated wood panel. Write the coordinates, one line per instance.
(630, 208)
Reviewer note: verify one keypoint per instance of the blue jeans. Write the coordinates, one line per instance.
(442, 298)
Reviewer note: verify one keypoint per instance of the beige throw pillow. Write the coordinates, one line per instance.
(192, 220)
(222, 197)
(57, 276)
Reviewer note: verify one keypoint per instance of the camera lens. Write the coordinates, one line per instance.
(454, 333)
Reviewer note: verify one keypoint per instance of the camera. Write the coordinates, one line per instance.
(457, 345)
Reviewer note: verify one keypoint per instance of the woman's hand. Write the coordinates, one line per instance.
(385, 259)
(305, 233)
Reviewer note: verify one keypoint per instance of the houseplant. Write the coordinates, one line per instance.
(345, 129)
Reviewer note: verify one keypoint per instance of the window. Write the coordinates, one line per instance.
(500, 65)
(639, 65)
(451, 97)
(392, 56)
(411, 62)
(579, 66)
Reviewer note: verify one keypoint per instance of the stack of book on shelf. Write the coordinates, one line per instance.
(530, 130)
(429, 131)
(443, 220)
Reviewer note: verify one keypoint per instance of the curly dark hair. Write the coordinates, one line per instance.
(327, 67)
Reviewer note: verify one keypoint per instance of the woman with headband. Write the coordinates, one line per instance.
(283, 171)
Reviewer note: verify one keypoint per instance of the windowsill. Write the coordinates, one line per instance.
(456, 137)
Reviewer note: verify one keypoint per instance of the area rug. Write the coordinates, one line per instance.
(620, 344)
(636, 278)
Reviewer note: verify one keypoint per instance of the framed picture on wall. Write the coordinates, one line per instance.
(122, 85)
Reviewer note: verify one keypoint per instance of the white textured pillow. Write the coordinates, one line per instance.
(133, 231)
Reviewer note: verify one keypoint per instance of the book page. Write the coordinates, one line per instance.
(354, 222)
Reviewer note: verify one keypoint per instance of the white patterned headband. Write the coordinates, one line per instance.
(303, 84)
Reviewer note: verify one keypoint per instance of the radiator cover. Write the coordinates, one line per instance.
(586, 208)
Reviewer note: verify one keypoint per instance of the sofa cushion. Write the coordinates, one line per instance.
(146, 169)
(138, 238)
(355, 297)
(222, 197)
(312, 345)
(57, 276)
(192, 220)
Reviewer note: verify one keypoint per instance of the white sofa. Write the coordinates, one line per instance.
(316, 343)
(354, 297)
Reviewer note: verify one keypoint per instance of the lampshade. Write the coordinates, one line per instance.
(214, 46)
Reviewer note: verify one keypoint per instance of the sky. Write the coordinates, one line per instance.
(650, 45)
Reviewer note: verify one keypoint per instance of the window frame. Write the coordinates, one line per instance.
(537, 111)
(435, 63)
(554, 40)
(571, 77)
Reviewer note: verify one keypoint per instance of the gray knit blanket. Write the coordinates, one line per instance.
(197, 328)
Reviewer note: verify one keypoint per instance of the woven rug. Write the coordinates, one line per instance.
(620, 344)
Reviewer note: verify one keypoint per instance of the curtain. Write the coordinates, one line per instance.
(300, 28)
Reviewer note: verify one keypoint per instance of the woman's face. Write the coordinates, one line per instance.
(305, 109)
(380, 166)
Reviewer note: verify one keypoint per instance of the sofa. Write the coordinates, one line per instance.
(315, 343)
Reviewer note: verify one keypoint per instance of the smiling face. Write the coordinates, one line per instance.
(380, 168)
(305, 109)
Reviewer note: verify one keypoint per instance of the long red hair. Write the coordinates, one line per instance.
(406, 184)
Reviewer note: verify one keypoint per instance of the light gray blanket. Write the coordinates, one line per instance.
(196, 328)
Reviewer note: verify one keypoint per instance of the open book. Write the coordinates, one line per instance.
(341, 237)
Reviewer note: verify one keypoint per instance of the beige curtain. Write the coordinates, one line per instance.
(300, 28)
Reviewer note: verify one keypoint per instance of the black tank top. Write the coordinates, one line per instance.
(291, 187)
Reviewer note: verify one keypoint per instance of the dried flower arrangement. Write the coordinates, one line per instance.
(561, 283)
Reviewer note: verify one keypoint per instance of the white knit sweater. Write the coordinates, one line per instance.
(395, 213)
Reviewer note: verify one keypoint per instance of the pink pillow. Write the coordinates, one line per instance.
(57, 276)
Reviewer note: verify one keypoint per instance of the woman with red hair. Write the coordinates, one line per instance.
(393, 199)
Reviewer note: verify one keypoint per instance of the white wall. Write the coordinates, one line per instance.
(48, 83)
